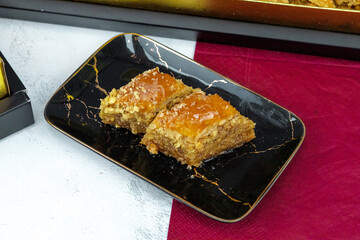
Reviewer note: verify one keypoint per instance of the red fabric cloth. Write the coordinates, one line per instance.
(318, 194)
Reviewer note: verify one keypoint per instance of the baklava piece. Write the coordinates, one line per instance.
(136, 104)
(198, 128)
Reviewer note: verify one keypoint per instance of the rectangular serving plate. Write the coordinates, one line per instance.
(226, 187)
(334, 19)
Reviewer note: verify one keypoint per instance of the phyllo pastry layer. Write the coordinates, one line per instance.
(198, 128)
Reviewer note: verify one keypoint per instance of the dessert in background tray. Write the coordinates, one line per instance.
(335, 15)
(226, 187)
(4, 85)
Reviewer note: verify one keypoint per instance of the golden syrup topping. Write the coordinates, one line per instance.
(195, 113)
(149, 89)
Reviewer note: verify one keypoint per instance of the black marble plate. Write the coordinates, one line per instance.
(225, 188)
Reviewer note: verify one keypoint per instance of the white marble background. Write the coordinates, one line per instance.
(50, 186)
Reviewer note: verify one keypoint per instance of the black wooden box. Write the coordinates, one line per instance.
(15, 110)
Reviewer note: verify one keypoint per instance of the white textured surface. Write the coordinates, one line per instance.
(50, 186)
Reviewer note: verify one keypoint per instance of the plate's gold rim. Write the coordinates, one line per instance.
(155, 184)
